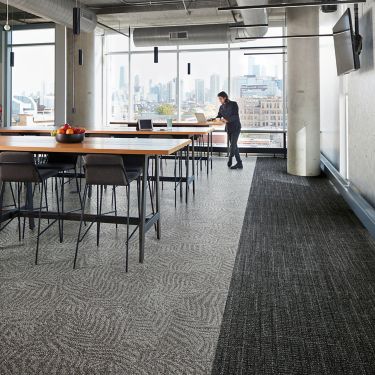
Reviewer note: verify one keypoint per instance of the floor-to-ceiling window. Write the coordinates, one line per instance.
(208, 76)
(137, 87)
(154, 85)
(30, 89)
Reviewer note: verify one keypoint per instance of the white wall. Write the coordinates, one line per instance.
(348, 107)
(361, 88)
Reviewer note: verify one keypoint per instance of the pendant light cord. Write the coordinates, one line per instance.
(7, 12)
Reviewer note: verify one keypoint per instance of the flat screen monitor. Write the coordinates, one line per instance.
(347, 59)
(145, 125)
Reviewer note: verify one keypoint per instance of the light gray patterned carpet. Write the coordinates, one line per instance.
(163, 317)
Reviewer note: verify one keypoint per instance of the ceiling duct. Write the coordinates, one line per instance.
(204, 34)
(58, 11)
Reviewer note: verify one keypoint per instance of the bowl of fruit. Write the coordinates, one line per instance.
(69, 134)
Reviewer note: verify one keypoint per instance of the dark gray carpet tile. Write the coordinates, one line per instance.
(163, 317)
(302, 294)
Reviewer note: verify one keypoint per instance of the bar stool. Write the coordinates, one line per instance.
(101, 171)
(20, 168)
(63, 163)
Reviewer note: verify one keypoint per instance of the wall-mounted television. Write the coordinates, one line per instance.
(347, 57)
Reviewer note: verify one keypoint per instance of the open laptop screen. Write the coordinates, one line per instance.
(145, 125)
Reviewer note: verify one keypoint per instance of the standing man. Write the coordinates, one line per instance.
(228, 113)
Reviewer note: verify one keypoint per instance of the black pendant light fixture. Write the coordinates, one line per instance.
(11, 59)
(76, 20)
(188, 68)
(156, 55)
(80, 57)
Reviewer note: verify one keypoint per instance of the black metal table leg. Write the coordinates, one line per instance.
(157, 192)
(284, 145)
(212, 133)
(208, 153)
(29, 203)
(142, 224)
(193, 161)
(187, 161)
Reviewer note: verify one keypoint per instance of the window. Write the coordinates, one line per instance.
(32, 93)
(163, 90)
(154, 86)
(117, 94)
(209, 76)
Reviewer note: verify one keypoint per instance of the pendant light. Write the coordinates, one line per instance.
(7, 26)
(80, 57)
(156, 55)
(76, 20)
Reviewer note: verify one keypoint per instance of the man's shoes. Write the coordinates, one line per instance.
(229, 164)
(237, 166)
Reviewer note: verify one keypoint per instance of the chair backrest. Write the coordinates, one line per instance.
(18, 167)
(105, 170)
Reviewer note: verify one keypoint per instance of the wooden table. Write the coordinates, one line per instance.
(174, 123)
(119, 146)
(192, 132)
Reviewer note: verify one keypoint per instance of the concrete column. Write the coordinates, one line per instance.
(303, 93)
(81, 92)
(60, 75)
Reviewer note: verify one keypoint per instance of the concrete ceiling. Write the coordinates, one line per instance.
(121, 14)
(17, 17)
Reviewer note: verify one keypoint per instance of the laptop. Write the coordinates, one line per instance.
(201, 118)
(145, 125)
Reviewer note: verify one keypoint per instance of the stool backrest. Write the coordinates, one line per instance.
(105, 170)
(18, 167)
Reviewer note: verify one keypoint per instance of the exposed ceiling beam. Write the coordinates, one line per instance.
(150, 7)
(291, 5)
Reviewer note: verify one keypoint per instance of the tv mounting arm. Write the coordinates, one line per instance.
(357, 35)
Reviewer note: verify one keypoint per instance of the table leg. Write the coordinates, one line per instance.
(142, 218)
(208, 153)
(157, 192)
(284, 145)
(211, 134)
(187, 161)
(29, 203)
(193, 161)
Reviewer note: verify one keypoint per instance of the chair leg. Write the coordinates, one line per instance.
(80, 225)
(39, 222)
(45, 196)
(78, 186)
(62, 204)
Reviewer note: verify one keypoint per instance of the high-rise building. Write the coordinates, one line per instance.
(122, 79)
(252, 68)
(199, 91)
(214, 86)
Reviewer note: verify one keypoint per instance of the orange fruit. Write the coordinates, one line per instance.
(61, 131)
(69, 131)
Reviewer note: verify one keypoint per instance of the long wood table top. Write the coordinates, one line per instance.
(183, 131)
(174, 123)
(120, 146)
